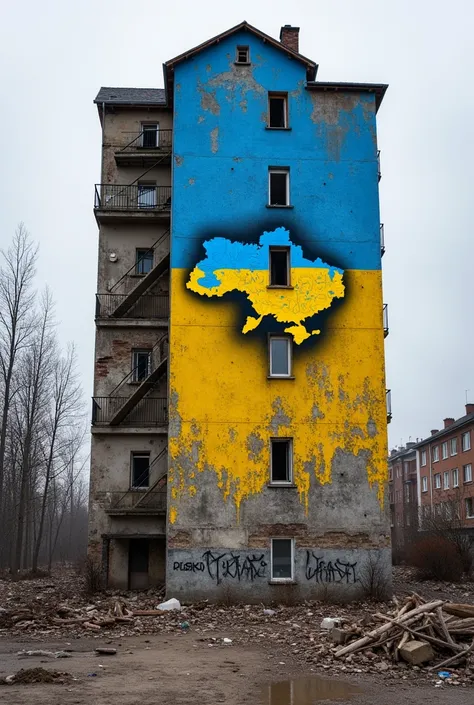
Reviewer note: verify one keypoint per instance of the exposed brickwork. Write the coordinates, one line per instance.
(289, 36)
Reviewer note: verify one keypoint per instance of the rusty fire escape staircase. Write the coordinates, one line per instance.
(159, 357)
(142, 497)
(145, 283)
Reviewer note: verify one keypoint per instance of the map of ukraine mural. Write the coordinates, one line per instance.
(237, 266)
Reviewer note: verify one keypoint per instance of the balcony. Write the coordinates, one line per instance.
(385, 320)
(146, 202)
(135, 503)
(150, 411)
(146, 306)
(382, 241)
(389, 404)
(147, 148)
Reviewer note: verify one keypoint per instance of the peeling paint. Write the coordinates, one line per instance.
(209, 102)
(255, 445)
(214, 140)
(178, 160)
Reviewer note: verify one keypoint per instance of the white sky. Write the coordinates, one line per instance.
(56, 54)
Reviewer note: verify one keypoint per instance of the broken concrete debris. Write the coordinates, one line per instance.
(417, 652)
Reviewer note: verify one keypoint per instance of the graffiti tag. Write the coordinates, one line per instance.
(222, 566)
(189, 566)
(321, 571)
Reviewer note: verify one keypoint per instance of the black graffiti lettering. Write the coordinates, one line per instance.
(189, 567)
(322, 571)
(233, 566)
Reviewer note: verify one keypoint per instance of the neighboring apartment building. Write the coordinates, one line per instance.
(445, 464)
(246, 454)
(403, 498)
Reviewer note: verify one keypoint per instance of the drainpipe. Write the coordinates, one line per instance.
(431, 481)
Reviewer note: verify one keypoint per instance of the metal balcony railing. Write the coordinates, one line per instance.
(134, 197)
(389, 404)
(149, 139)
(149, 411)
(147, 306)
(385, 320)
(382, 240)
(128, 502)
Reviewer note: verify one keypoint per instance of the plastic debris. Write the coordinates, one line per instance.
(444, 674)
(172, 604)
(330, 622)
(226, 640)
(269, 613)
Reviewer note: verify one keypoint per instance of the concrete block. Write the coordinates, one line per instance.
(339, 636)
(417, 652)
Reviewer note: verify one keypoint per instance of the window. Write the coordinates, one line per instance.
(143, 261)
(466, 440)
(435, 454)
(405, 470)
(467, 473)
(278, 110)
(281, 460)
(243, 55)
(455, 477)
(279, 266)
(146, 195)
(424, 484)
(437, 481)
(140, 365)
(454, 446)
(423, 457)
(390, 473)
(150, 136)
(278, 187)
(140, 470)
(398, 470)
(280, 357)
(469, 508)
(446, 481)
(282, 559)
(444, 450)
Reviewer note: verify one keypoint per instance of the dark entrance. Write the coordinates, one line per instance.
(138, 557)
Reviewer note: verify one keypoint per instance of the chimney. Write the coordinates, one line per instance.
(469, 408)
(448, 422)
(289, 37)
(435, 430)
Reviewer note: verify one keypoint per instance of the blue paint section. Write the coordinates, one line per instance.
(225, 254)
(223, 151)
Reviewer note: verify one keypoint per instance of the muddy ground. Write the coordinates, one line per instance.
(182, 669)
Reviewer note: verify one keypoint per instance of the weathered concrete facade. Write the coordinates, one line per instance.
(277, 452)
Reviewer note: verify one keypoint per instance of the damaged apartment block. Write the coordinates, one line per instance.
(239, 417)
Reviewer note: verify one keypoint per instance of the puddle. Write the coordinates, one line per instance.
(306, 691)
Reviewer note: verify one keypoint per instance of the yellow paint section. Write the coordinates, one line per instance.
(224, 410)
(313, 290)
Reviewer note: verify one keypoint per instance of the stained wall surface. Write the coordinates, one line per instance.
(224, 408)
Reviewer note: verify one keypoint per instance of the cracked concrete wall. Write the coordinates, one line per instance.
(224, 410)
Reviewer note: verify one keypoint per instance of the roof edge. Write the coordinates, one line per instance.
(459, 423)
(379, 89)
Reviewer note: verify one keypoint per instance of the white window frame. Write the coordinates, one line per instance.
(455, 473)
(423, 458)
(437, 481)
(424, 484)
(289, 352)
(435, 453)
(281, 96)
(279, 170)
(282, 483)
(444, 450)
(292, 559)
(467, 501)
(468, 465)
(467, 436)
(446, 480)
(134, 375)
(453, 444)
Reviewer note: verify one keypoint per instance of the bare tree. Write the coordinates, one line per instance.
(17, 272)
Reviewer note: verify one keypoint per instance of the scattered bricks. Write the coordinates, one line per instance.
(417, 652)
(339, 636)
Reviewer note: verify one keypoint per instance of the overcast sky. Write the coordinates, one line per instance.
(56, 54)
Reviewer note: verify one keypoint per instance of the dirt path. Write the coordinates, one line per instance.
(182, 669)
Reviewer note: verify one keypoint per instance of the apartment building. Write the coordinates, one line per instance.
(403, 498)
(445, 462)
(239, 431)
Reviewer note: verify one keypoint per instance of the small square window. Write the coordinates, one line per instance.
(424, 484)
(435, 454)
(467, 473)
(466, 441)
(278, 110)
(282, 559)
(279, 266)
(281, 461)
(469, 508)
(242, 55)
(143, 261)
(278, 187)
(280, 356)
(140, 470)
(444, 450)
(454, 446)
(446, 481)
(141, 361)
(437, 481)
